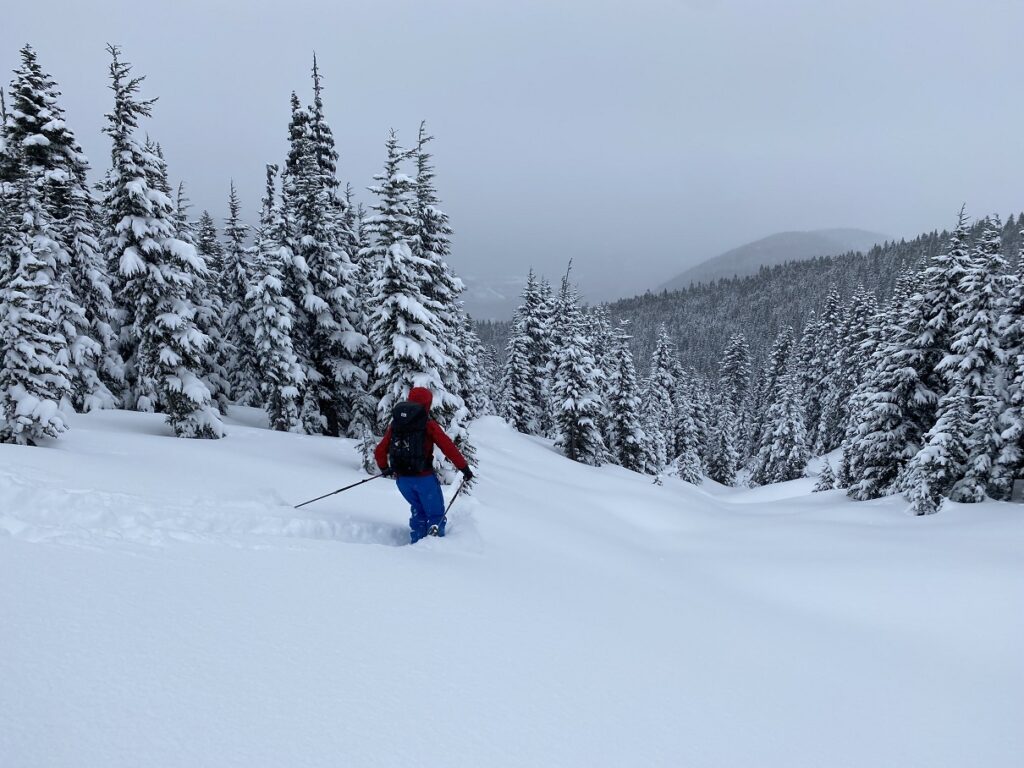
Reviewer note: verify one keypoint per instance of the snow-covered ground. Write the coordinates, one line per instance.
(161, 604)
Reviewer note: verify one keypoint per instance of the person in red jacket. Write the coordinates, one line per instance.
(407, 453)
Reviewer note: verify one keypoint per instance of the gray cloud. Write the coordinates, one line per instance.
(635, 137)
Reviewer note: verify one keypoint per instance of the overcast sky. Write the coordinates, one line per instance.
(636, 137)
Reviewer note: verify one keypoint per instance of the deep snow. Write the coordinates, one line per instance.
(161, 604)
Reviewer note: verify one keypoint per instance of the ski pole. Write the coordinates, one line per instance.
(332, 493)
(457, 492)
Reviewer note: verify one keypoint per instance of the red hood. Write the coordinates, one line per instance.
(421, 396)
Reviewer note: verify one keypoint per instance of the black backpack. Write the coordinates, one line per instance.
(407, 454)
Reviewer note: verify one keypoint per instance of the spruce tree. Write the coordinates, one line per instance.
(903, 390)
(40, 147)
(660, 390)
(237, 281)
(722, 459)
(784, 452)
(976, 360)
(1010, 462)
(626, 443)
(518, 379)
(323, 274)
(430, 240)
(575, 385)
(205, 296)
(155, 275)
(34, 379)
(280, 375)
(210, 305)
(687, 462)
(734, 371)
(405, 332)
(826, 478)
(767, 390)
(935, 468)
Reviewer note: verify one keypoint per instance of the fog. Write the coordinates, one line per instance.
(636, 138)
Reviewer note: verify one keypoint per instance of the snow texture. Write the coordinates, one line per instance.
(164, 605)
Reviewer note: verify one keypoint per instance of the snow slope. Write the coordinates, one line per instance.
(161, 604)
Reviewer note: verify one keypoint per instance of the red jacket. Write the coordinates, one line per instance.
(435, 436)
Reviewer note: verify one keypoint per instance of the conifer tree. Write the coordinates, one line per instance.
(524, 398)
(627, 439)
(155, 275)
(406, 334)
(238, 322)
(41, 147)
(826, 479)
(821, 373)
(976, 359)
(723, 457)
(205, 297)
(935, 468)
(784, 453)
(34, 380)
(734, 372)
(575, 385)
(900, 399)
(280, 375)
(430, 240)
(210, 304)
(767, 390)
(323, 276)
(518, 379)
(659, 392)
(687, 462)
(1010, 462)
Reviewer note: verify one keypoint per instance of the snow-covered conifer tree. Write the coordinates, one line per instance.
(935, 468)
(902, 392)
(430, 240)
(518, 380)
(622, 388)
(272, 312)
(722, 460)
(206, 298)
(659, 393)
(209, 300)
(237, 280)
(734, 371)
(784, 453)
(332, 341)
(405, 332)
(575, 384)
(687, 463)
(1010, 462)
(155, 274)
(826, 478)
(51, 160)
(976, 360)
(34, 380)
(767, 388)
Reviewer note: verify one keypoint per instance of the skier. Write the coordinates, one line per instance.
(407, 453)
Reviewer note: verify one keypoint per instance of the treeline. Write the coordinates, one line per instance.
(114, 296)
(923, 392)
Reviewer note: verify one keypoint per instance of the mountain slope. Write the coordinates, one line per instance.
(776, 249)
(164, 606)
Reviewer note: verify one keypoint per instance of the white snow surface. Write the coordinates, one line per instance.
(162, 604)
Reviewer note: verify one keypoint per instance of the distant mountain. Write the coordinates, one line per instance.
(776, 249)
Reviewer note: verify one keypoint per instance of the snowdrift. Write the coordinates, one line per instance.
(163, 604)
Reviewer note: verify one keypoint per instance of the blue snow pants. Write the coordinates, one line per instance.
(426, 502)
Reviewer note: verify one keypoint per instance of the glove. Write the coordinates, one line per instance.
(387, 472)
(468, 474)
